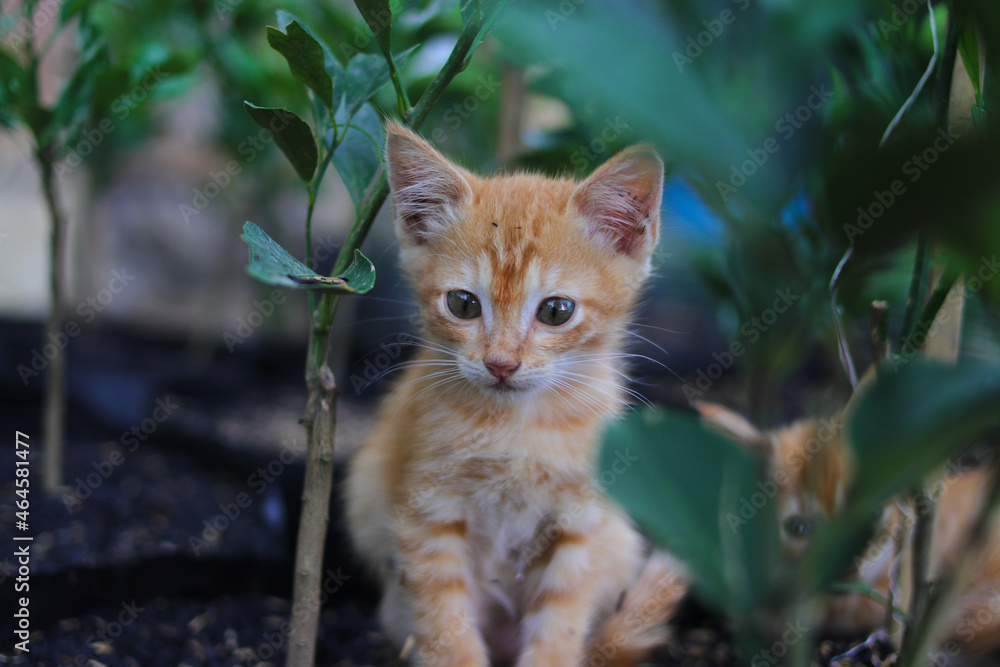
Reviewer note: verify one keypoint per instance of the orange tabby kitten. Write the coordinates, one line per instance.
(812, 456)
(473, 497)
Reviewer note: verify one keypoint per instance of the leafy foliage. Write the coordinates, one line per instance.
(271, 264)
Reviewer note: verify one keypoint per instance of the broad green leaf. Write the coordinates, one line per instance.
(292, 135)
(366, 74)
(330, 62)
(272, 264)
(701, 497)
(378, 15)
(357, 157)
(907, 424)
(915, 419)
(305, 59)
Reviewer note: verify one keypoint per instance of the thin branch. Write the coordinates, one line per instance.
(915, 295)
(844, 348)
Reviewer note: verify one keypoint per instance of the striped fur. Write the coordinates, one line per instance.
(473, 497)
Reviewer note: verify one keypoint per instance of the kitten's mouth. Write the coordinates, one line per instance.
(505, 387)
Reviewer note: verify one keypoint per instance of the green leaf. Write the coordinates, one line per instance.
(12, 88)
(292, 135)
(915, 419)
(272, 264)
(357, 157)
(305, 59)
(469, 10)
(906, 425)
(378, 15)
(693, 492)
(366, 75)
(74, 104)
(330, 62)
(485, 12)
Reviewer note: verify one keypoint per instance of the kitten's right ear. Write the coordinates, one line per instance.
(733, 426)
(428, 190)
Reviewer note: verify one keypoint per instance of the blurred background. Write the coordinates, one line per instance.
(185, 376)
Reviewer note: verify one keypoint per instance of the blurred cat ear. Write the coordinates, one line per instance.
(427, 189)
(620, 202)
(733, 426)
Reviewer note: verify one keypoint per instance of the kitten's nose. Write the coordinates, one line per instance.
(501, 369)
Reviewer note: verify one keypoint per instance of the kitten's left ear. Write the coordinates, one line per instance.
(620, 202)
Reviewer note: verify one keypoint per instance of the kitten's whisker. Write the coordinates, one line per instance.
(643, 338)
(627, 390)
(449, 376)
(414, 363)
(650, 326)
(579, 390)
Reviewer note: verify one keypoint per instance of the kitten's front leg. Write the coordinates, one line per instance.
(437, 579)
(561, 610)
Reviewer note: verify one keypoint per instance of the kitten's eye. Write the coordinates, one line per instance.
(799, 527)
(555, 311)
(464, 305)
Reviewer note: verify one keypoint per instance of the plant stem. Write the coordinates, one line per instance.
(55, 380)
(878, 331)
(320, 416)
(320, 423)
(925, 511)
(915, 296)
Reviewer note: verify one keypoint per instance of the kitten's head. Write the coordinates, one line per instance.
(807, 461)
(525, 281)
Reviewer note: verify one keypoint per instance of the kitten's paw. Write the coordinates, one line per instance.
(452, 650)
(551, 656)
